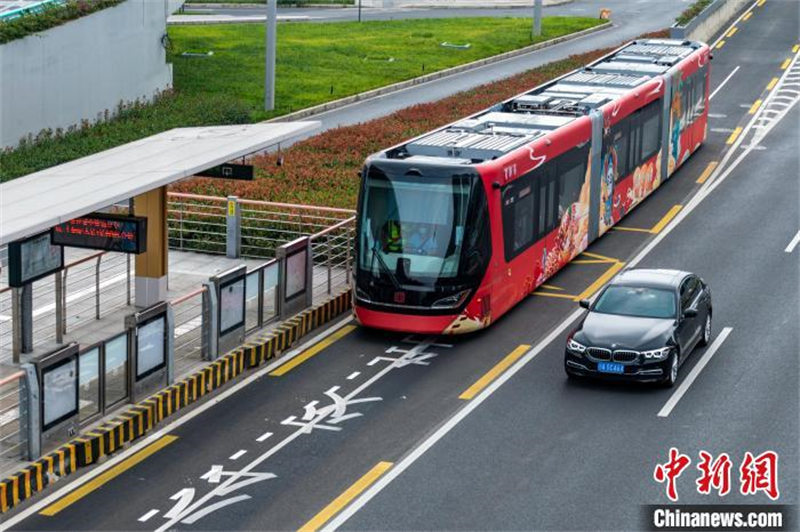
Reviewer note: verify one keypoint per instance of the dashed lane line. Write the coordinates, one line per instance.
(313, 350)
(109, 475)
(344, 499)
(707, 172)
(724, 81)
(493, 373)
(793, 243)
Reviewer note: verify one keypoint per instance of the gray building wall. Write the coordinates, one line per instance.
(76, 71)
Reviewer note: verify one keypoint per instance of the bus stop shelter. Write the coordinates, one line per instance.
(138, 172)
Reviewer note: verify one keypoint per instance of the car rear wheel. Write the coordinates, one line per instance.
(706, 338)
(672, 376)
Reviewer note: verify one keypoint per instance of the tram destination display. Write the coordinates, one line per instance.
(32, 258)
(109, 232)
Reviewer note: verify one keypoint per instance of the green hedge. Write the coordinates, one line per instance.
(692, 11)
(50, 16)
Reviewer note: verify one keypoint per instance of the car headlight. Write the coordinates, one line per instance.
(456, 300)
(657, 354)
(575, 347)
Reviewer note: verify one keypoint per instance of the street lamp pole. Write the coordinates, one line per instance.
(359, 10)
(271, 43)
(537, 18)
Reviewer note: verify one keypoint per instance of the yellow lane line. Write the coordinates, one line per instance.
(311, 351)
(117, 470)
(598, 256)
(590, 261)
(733, 30)
(595, 286)
(707, 172)
(761, 2)
(771, 84)
(720, 44)
(635, 229)
(734, 135)
(551, 287)
(748, 15)
(754, 107)
(548, 294)
(347, 495)
(795, 48)
(785, 63)
(495, 372)
(662, 223)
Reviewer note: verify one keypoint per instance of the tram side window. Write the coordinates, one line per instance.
(650, 125)
(529, 209)
(621, 139)
(572, 173)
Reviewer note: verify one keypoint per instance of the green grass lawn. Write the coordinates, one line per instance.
(316, 63)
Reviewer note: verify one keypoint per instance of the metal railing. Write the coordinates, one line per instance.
(13, 442)
(332, 257)
(189, 337)
(200, 223)
(88, 289)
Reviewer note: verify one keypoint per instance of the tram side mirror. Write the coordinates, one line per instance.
(584, 303)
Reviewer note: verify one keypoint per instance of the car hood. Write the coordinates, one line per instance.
(625, 332)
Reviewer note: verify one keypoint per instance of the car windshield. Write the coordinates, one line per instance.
(637, 301)
(414, 228)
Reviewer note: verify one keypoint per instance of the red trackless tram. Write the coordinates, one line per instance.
(458, 225)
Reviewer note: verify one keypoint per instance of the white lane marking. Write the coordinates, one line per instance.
(329, 412)
(264, 437)
(415, 454)
(676, 396)
(213, 508)
(147, 516)
(720, 174)
(373, 361)
(717, 115)
(723, 83)
(721, 130)
(124, 455)
(353, 375)
(734, 23)
(238, 454)
(793, 243)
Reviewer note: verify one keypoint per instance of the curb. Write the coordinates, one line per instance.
(395, 87)
(139, 419)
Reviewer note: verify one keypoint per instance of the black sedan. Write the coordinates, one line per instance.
(642, 326)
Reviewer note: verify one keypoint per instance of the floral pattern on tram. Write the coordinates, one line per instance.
(572, 233)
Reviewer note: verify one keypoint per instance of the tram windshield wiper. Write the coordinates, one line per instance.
(385, 267)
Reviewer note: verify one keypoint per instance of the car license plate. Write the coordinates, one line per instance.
(610, 367)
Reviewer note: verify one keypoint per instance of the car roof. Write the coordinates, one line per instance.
(656, 278)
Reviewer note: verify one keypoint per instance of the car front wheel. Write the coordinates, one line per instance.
(706, 338)
(672, 375)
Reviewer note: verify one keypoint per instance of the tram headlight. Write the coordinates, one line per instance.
(452, 301)
(360, 294)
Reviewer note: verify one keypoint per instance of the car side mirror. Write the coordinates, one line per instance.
(690, 313)
(585, 303)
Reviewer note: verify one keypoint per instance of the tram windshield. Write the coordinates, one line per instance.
(416, 230)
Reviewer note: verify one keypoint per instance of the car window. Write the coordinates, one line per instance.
(689, 290)
(637, 301)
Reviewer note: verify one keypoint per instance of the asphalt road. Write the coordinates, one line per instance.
(539, 452)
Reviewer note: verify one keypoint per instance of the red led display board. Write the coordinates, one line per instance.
(110, 232)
